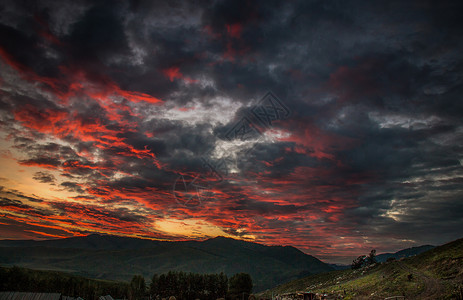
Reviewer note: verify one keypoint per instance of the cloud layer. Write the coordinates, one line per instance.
(110, 109)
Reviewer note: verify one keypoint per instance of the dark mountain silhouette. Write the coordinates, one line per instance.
(385, 256)
(404, 253)
(119, 258)
(92, 242)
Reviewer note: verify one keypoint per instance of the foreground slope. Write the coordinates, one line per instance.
(434, 274)
(119, 258)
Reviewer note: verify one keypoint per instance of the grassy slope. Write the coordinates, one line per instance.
(436, 274)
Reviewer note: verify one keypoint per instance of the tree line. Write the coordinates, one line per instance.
(181, 285)
(18, 279)
(186, 286)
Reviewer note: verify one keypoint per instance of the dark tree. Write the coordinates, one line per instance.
(189, 286)
(240, 286)
(137, 287)
(161, 284)
(371, 259)
(358, 262)
(222, 285)
(154, 286)
(20, 279)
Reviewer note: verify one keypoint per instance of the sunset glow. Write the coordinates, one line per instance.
(110, 112)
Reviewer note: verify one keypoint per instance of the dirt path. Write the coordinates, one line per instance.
(433, 286)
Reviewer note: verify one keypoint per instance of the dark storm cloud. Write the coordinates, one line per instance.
(46, 162)
(121, 214)
(46, 220)
(23, 48)
(372, 146)
(15, 203)
(17, 206)
(44, 177)
(99, 34)
(72, 186)
(17, 194)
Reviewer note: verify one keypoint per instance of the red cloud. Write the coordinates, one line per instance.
(38, 163)
(45, 121)
(174, 73)
(136, 96)
(260, 206)
(74, 81)
(313, 141)
(234, 30)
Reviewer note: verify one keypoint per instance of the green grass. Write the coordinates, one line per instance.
(436, 274)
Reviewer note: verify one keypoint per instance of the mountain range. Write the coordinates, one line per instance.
(404, 253)
(119, 258)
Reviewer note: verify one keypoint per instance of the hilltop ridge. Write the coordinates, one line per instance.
(119, 258)
(433, 274)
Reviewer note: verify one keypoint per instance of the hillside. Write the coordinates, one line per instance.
(434, 274)
(119, 258)
(404, 253)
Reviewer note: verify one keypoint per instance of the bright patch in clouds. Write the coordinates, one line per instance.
(103, 107)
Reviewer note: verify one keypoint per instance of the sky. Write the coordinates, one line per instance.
(332, 126)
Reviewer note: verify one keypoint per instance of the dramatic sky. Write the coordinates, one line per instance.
(332, 126)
